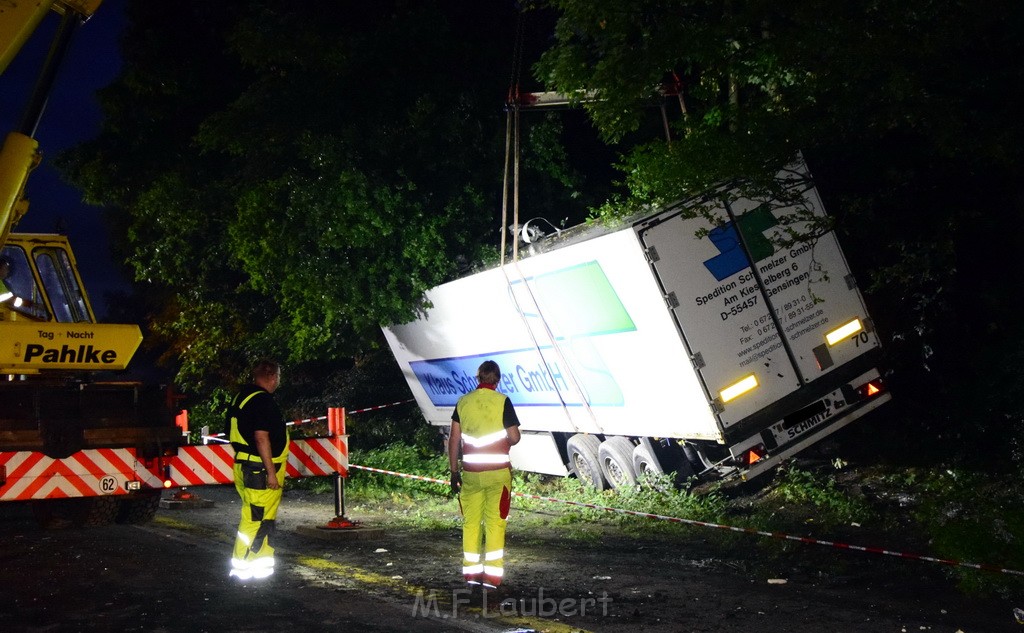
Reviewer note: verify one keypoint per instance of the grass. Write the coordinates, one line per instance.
(817, 496)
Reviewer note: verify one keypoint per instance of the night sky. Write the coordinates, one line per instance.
(72, 115)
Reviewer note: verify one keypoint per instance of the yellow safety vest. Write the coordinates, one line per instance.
(243, 451)
(485, 443)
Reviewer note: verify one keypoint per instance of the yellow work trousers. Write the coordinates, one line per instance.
(253, 555)
(485, 500)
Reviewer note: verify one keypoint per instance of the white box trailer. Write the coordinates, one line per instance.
(659, 346)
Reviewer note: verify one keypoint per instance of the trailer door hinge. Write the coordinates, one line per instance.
(672, 300)
(652, 254)
(851, 283)
(698, 360)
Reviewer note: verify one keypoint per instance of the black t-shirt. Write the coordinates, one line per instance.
(261, 413)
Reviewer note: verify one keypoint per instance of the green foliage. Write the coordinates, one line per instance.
(970, 518)
(209, 414)
(820, 495)
(371, 380)
(660, 499)
(900, 112)
(282, 182)
(400, 458)
(658, 495)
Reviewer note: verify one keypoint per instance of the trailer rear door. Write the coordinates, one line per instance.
(731, 312)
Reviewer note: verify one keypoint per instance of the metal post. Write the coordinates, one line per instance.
(339, 495)
(336, 428)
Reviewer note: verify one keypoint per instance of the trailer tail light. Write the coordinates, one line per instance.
(753, 455)
(868, 390)
(871, 389)
(843, 332)
(739, 388)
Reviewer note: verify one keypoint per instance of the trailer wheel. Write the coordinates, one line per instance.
(649, 470)
(616, 455)
(645, 462)
(138, 508)
(583, 459)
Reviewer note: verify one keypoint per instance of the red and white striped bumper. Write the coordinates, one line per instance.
(28, 475)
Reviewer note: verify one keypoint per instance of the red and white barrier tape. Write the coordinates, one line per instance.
(218, 437)
(324, 417)
(307, 420)
(381, 406)
(777, 535)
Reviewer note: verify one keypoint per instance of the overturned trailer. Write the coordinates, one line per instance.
(698, 339)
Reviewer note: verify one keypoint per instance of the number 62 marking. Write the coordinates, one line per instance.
(108, 485)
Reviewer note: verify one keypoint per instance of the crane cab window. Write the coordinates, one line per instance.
(61, 285)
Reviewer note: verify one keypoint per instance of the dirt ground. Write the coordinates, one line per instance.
(171, 575)
(608, 580)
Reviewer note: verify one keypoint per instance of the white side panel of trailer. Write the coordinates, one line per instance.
(582, 334)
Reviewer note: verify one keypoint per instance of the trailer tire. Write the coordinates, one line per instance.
(649, 470)
(138, 508)
(616, 454)
(645, 462)
(584, 461)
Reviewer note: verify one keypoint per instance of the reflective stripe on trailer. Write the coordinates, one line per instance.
(107, 471)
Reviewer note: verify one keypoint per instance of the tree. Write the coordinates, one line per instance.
(288, 176)
(905, 114)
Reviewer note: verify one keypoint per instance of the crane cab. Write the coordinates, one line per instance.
(43, 281)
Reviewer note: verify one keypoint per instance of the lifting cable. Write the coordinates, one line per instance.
(512, 154)
(512, 128)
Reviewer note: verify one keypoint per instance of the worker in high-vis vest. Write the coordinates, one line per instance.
(10, 299)
(259, 436)
(484, 426)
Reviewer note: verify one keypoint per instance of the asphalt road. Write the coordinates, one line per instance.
(171, 575)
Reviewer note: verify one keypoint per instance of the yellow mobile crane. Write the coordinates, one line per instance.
(80, 449)
(46, 319)
(54, 413)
